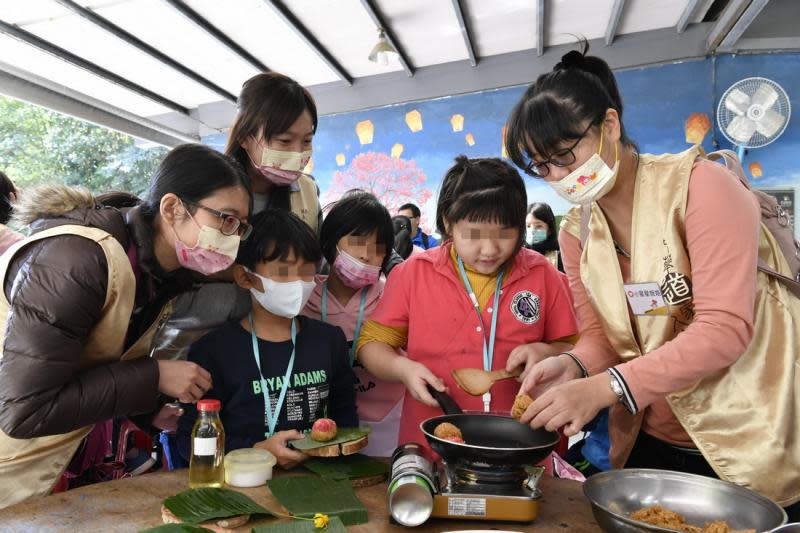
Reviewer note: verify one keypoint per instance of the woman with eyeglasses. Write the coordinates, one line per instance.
(271, 138)
(679, 335)
(86, 295)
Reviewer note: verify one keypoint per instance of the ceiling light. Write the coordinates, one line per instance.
(383, 51)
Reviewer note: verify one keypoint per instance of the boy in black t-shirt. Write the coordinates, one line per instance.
(301, 365)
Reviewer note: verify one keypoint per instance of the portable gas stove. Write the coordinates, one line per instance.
(471, 492)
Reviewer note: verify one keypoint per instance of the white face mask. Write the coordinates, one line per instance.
(590, 181)
(284, 299)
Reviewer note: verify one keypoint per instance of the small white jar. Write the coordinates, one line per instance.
(248, 467)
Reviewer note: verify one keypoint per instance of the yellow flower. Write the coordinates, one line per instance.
(321, 521)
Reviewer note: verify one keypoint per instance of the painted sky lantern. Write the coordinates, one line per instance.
(364, 130)
(414, 121)
(340, 160)
(397, 150)
(755, 169)
(503, 151)
(470, 138)
(457, 121)
(696, 126)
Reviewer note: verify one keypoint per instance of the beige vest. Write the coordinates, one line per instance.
(30, 467)
(305, 202)
(744, 419)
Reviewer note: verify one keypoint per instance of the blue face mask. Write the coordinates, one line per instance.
(535, 236)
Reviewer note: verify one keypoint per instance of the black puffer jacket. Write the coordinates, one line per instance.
(57, 289)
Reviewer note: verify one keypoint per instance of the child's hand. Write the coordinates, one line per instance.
(528, 355)
(416, 377)
(277, 445)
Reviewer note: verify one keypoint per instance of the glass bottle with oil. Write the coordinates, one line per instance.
(206, 465)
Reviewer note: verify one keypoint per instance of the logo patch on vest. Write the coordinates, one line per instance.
(676, 288)
(525, 307)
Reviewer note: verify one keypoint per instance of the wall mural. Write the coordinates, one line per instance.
(401, 152)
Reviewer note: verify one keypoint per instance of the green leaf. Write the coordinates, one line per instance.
(342, 436)
(335, 525)
(194, 506)
(347, 467)
(177, 528)
(308, 495)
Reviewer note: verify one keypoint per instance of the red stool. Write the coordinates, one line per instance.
(141, 440)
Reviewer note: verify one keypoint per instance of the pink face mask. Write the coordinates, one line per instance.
(281, 168)
(213, 252)
(353, 272)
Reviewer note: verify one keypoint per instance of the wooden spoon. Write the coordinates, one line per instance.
(477, 382)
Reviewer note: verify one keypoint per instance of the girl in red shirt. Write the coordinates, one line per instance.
(479, 300)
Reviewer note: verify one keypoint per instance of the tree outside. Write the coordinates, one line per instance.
(39, 146)
(394, 181)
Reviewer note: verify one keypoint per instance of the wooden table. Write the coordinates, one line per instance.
(135, 503)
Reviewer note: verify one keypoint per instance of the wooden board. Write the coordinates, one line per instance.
(132, 504)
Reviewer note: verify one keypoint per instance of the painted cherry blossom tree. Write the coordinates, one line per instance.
(394, 181)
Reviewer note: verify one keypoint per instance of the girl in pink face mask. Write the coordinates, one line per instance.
(356, 238)
(272, 138)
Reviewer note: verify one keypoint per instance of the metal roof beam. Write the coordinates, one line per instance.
(65, 55)
(613, 22)
(134, 41)
(289, 18)
(28, 87)
(215, 32)
(465, 33)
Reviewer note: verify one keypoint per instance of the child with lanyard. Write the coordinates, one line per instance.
(275, 372)
(356, 238)
(430, 302)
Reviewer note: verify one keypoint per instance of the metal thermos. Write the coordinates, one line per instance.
(411, 486)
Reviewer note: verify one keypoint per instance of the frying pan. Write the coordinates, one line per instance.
(490, 440)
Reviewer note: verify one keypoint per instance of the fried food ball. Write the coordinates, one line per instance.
(447, 431)
(521, 403)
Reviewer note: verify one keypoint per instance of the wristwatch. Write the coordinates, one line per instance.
(616, 386)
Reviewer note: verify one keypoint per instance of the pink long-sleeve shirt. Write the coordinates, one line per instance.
(722, 235)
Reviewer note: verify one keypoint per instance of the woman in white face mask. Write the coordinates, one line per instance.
(271, 137)
(661, 256)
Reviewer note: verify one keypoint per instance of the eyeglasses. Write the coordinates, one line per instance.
(230, 224)
(562, 158)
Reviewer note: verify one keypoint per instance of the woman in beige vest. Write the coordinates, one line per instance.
(271, 137)
(85, 295)
(695, 354)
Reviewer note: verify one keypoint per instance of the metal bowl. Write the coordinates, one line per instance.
(615, 494)
(788, 528)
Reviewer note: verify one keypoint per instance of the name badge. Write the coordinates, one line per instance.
(645, 299)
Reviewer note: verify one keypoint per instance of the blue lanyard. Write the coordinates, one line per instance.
(488, 349)
(359, 321)
(272, 416)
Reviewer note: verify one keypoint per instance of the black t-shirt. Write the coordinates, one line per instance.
(321, 384)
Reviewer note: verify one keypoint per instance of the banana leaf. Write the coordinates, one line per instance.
(342, 435)
(194, 506)
(307, 495)
(177, 528)
(347, 467)
(302, 526)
